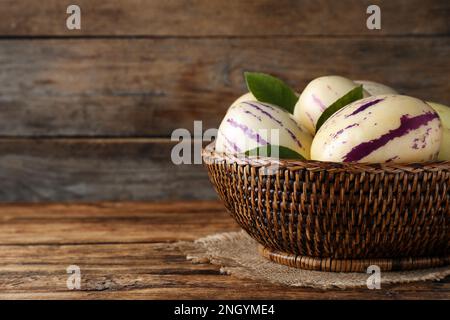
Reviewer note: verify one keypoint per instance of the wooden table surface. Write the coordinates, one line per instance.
(121, 249)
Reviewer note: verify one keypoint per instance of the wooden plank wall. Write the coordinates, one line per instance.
(86, 115)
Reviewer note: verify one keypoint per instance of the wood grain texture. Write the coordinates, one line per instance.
(224, 18)
(97, 169)
(122, 250)
(110, 223)
(149, 87)
(142, 68)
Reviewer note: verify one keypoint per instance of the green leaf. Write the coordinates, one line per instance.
(269, 89)
(269, 150)
(349, 97)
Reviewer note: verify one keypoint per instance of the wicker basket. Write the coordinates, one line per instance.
(339, 217)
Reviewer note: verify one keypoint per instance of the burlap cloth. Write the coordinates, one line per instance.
(237, 254)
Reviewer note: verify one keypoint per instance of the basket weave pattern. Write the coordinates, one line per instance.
(320, 211)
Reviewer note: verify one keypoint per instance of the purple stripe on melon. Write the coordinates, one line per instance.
(280, 123)
(296, 124)
(231, 143)
(351, 126)
(269, 106)
(337, 134)
(407, 124)
(392, 159)
(247, 131)
(227, 148)
(294, 137)
(310, 118)
(253, 115)
(415, 144)
(364, 107)
(319, 102)
(264, 112)
(423, 140)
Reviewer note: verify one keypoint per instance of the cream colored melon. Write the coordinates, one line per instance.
(384, 128)
(375, 88)
(249, 124)
(444, 114)
(318, 95)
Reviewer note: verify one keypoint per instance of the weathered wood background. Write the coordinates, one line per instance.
(86, 115)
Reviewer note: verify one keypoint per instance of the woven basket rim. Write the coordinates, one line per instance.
(211, 156)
